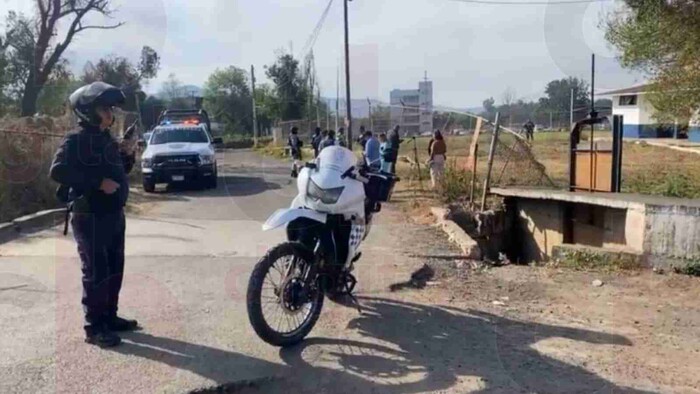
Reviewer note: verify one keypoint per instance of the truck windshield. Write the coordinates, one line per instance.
(179, 135)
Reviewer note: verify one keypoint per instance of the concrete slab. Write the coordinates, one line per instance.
(612, 200)
(470, 248)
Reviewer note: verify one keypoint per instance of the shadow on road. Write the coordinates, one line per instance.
(408, 348)
(229, 186)
(218, 365)
(239, 186)
(418, 348)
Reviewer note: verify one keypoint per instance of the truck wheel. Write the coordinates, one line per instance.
(213, 182)
(149, 187)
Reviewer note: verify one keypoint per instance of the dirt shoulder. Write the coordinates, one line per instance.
(651, 322)
(454, 328)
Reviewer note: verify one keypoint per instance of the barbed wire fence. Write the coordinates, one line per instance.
(27, 147)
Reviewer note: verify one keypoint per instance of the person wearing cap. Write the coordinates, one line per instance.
(94, 167)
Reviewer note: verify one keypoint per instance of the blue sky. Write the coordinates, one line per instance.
(470, 51)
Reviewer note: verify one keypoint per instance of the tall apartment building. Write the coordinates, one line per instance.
(413, 109)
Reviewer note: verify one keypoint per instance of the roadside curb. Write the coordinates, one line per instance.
(470, 248)
(33, 222)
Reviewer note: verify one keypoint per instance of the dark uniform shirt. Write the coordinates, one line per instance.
(85, 158)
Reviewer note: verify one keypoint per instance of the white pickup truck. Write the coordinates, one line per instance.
(179, 153)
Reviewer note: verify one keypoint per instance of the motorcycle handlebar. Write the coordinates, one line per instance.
(352, 173)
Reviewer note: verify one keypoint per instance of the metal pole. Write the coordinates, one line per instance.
(492, 152)
(337, 97)
(593, 163)
(592, 85)
(318, 114)
(571, 109)
(347, 76)
(328, 115)
(417, 160)
(551, 126)
(255, 114)
(371, 123)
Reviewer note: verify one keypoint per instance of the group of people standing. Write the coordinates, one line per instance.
(380, 151)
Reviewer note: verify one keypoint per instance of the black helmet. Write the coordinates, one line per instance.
(85, 100)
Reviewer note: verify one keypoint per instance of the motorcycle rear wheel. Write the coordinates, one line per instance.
(299, 320)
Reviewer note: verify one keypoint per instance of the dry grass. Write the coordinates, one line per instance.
(27, 146)
(25, 186)
(646, 169)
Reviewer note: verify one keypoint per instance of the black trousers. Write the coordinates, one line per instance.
(100, 239)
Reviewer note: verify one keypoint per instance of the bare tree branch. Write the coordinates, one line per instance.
(46, 54)
(83, 28)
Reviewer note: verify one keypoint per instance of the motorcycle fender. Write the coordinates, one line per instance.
(282, 217)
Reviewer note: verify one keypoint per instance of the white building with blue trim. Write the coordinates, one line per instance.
(638, 115)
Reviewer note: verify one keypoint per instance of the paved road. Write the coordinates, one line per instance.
(189, 255)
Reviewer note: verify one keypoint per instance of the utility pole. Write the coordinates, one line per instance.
(318, 102)
(571, 110)
(337, 97)
(592, 88)
(328, 115)
(347, 75)
(551, 125)
(255, 114)
(371, 123)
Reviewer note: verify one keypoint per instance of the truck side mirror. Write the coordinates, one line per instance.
(218, 141)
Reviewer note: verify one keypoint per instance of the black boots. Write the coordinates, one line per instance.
(101, 336)
(120, 325)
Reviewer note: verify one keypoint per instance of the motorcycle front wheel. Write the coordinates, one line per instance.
(284, 305)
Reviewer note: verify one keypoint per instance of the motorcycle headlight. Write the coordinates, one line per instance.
(326, 196)
(206, 159)
(146, 163)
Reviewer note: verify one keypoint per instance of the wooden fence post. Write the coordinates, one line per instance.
(473, 158)
(492, 151)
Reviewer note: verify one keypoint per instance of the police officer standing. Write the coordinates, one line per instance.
(94, 167)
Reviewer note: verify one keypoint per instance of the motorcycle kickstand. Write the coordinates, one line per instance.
(353, 298)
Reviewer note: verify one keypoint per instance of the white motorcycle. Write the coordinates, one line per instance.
(326, 224)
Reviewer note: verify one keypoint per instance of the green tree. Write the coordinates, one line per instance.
(35, 47)
(662, 40)
(120, 72)
(290, 87)
(489, 108)
(227, 97)
(54, 97)
(558, 95)
(173, 92)
(267, 105)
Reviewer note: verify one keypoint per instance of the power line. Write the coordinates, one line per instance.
(311, 41)
(511, 2)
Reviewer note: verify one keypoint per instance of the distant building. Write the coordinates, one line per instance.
(413, 109)
(638, 115)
